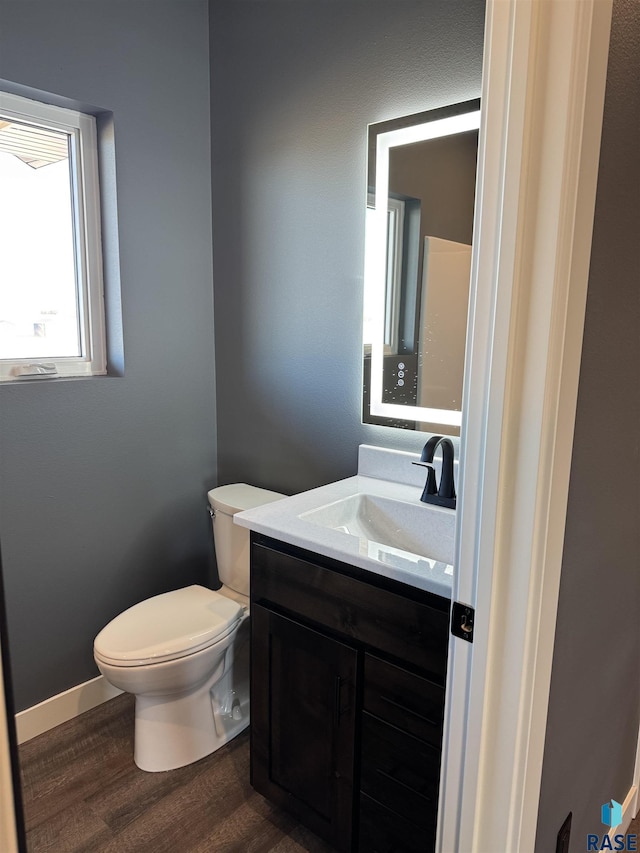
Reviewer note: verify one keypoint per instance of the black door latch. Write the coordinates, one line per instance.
(462, 617)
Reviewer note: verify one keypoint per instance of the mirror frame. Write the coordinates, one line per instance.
(446, 121)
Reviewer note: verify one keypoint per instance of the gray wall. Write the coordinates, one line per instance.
(103, 481)
(294, 86)
(594, 711)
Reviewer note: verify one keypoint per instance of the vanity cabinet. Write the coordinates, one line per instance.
(303, 722)
(347, 699)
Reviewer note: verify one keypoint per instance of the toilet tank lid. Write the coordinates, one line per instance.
(237, 497)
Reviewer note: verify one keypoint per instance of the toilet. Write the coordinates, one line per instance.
(185, 654)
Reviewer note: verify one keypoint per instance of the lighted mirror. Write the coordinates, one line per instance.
(420, 202)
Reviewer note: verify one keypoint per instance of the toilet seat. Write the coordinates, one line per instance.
(167, 627)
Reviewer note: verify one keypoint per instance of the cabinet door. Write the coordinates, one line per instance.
(303, 723)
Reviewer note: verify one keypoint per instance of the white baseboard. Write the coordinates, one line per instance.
(629, 811)
(62, 707)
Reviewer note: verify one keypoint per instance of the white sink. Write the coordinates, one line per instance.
(411, 527)
(374, 521)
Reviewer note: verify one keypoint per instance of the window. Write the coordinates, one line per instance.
(51, 291)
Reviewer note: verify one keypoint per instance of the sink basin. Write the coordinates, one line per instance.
(373, 521)
(415, 528)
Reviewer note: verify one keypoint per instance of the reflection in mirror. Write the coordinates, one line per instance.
(420, 201)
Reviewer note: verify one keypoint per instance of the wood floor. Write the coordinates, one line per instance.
(82, 792)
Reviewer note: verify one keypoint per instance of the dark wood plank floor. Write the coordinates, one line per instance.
(82, 792)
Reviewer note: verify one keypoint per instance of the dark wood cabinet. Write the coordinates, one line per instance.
(303, 723)
(347, 699)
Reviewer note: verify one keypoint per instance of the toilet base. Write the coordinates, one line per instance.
(175, 730)
(171, 732)
(166, 745)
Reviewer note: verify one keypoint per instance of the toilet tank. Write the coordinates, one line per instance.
(231, 540)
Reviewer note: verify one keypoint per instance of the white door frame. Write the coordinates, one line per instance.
(8, 836)
(544, 76)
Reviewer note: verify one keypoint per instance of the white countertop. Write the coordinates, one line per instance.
(281, 520)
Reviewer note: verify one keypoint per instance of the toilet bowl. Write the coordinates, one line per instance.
(185, 654)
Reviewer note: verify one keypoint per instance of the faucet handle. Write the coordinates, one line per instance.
(430, 487)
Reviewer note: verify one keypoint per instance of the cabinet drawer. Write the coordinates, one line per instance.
(409, 630)
(400, 771)
(382, 831)
(407, 701)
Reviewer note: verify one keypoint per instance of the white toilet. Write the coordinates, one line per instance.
(185, 654)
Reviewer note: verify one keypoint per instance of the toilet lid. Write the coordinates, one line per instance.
(167, 627)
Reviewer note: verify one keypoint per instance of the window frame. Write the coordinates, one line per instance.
(395, 243)
(393, 279)
(87, 227)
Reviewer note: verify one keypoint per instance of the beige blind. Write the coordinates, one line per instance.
(33, 145)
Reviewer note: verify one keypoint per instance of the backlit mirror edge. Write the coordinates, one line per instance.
(460, 122)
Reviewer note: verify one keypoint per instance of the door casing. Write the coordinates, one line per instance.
(544, 74)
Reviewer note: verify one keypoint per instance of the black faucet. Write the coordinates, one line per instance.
(445, 493)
